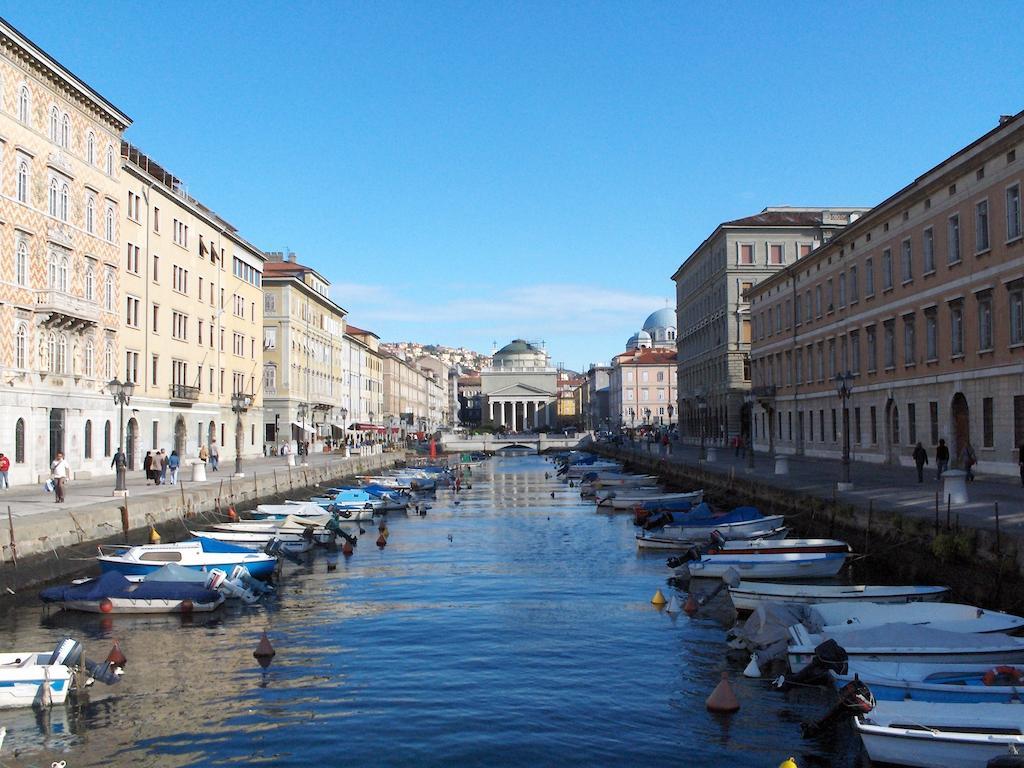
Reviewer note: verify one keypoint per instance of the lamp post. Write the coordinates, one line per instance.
(647, 415)
(702, 407)
(670, 411)
(749, 399)
(122, 392)
(239, 404)
(303, 411)
(844, 385)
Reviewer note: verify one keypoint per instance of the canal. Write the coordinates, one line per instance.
(507, 626)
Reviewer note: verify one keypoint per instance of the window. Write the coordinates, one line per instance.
(65, 131)
(911, 423)
(179, 326)
(869, 278)
(156, 268)
(746, 253)
(180, 233)
(156, 319)
(984, 321)
(776, 254)
(886, 269)
(58, 274)
(831, 295)
(24, 110)
(831, 358)
(928, 249)
(21, 347)
(87, 444)
(133, 259)
(269, 303)
(804, 249)
(106, 439)
(981, 241)
(109, 164)
(238, 344)
(90, 214)
(842, 289)
(931, 335)
(156, 219)
(817, 301)
(54, 192)
(987, 426)
(933, 421)
(855, 352)
(953, 240)
(131, 367)
(179, 279)
(19, 442)
(907, 260)
(54, 125)
(89, 359)
(22, 190)
(108, 361)
(956, 328)
(90, 148)
(132, 314)
(270, 378)
(1013, 212)
(807, 307)
(889, 343)
(1016, 312)
(133, 206)
(65, 193)
(874, 425)
(108, 224)
(108, 291)
(21, 263)
(909, 340)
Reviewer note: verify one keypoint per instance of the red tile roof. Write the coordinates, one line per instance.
(647, 357)
(778, 219)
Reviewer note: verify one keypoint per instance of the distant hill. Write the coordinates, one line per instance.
(468, 359)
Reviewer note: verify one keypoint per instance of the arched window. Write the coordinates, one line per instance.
(65, 131)
(110, 160)
(54, 125)
(89, 360)
(65, 191)
(52, 274)
(54, 194)
(90, 284)
(51, 352)
(19, 442)
(23, 181)
(62, 354)
(90, 214)
(108, 291)
(87, 447)
(106, 438)
(108, 362)
(21, 264)
(24, 105)
(62, 274)
(108, 229)
(90, 148)
(21, 347)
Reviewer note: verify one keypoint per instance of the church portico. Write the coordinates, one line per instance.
(520, 388)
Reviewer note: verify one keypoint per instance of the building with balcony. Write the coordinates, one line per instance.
(305, 358)
(191, 319)
(60, 291)
(713, 319)
(596, 410)
(520, 388)
(921, 302)
(366, 382)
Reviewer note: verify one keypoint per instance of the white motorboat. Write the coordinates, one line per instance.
(291, 527)
(674, 544)
(749, 594)
(201, 554)
(295, 544)
(701, 530)
(630, 500)
(940, 735)
(783, 565)
(305, 509)
(952, 617)
(351, 515)
(37, 678)
(964, 683)
(609, 480)
(908, 643)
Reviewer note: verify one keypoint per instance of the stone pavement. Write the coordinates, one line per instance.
(889, 488)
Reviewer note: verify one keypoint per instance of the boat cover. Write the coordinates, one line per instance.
(220, 547)
(915, 636)
(766, 631)
(114, 585)
(177, 573)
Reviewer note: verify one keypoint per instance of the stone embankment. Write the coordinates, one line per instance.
(62, 541)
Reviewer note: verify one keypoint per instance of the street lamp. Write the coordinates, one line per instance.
(671, 408)
(239, 404)
(647, 415)
(122, 392)
(750, 399)
(844, 385)
(303, 411)
(702, 407)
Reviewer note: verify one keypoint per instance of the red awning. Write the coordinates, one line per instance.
(366, 427)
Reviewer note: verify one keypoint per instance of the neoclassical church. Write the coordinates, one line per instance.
(520, 389)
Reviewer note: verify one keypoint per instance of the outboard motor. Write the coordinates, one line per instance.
(830, 656)
(68, 653)
(855, 698)
(276, 548)
(231, 588)
(717, 539)
(335, 527)
(677, 561)
(240, 575)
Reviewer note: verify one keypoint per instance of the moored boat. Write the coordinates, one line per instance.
(113, 593)
(200, 554)
(749, 594)
(702, 530)
(952, 617)
(785, 565)
(628, 501)
(953, 683)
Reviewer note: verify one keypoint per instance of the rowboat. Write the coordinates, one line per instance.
(113, 593)
(749, 594)
(953, 683)
(784, 565)
(292, 527)
(650, 541)
(908, 643)
(200, 554)
(931, 735)
(629, 501)
(38, 678)
(702, 530)
(604, 496)
(831, 618)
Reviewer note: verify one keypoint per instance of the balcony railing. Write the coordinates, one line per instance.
(65, 308)
(183, 393)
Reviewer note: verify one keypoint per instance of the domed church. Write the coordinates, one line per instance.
(658, 332)
(642, 382)
(519, 390)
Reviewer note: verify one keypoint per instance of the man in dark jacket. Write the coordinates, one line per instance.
(941, 458)
(920, 459)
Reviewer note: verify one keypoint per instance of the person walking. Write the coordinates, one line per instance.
(941, 458)
(162, 466)
(173, 462)
(147, 466)
(920, 459)
(5, 466)
(59, 474)
(214, 455)
(204, 454)
(968, 458)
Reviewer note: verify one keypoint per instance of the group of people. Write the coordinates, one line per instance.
(968, 458)
(161, 468)
(210, 456)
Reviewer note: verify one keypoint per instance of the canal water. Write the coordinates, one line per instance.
(506, 627)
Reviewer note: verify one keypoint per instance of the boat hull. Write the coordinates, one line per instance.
(748, 595)
(120, 605)
(26, 680)
(747, 529)
(799, 566)
(260, 569)
(926, 749)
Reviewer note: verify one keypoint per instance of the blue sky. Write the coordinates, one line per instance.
(469, 172)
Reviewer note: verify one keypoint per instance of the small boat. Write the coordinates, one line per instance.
(785, 565)
(907, 643)
(831, 618)
(749, 594)
(350, 500)
(305, 509)
(702, 530)
(44, 678)
(199, 554)
(113, 593)
(628, 501)
(952, 683)
(258, 542)
(292, 527)
(342, 515)
(931, 735)
(673, 544)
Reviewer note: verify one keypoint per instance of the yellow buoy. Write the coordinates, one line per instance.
(658, 599)
(791, 763)
(154, 537)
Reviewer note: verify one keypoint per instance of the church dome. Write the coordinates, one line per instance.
(517, 347)
(640, 339)
(662, 319)
(520, 354)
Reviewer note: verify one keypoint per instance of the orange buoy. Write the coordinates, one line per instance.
(346, 548)
(106, 606)
(382, 540)
(722, 699)
(264, 652)
(187, 606)
(232, 515)
(690, 607)
(116, 658)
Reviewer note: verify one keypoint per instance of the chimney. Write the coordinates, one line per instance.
(291, 256)
(1004, 119)
(274, 256)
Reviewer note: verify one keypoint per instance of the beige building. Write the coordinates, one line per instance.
(191, 319)
(519, 390)
(366, 381)
(713, 320)
(641, 381)
(60, 293)
(921, 301)
(305, 353)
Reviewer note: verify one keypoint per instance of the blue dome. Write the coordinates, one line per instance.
(663, 318)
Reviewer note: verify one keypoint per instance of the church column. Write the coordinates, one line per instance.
(517, 424)
(510, 415)
(527, 421)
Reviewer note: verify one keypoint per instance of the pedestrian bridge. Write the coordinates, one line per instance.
(535, 442)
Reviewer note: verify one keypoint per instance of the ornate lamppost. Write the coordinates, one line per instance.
(239, 404)
(122, 392)
(844, 385)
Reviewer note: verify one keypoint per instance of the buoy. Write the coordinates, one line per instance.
(106, 606)
(116, 658)
(658, 599)
(346, 549)
(691, 605)
(722, 699)
(752, 669)
(154, 537)
(264, 652)
(382, 540)
(186, 606)
(232, 515)
(789, 763)
(673, 605)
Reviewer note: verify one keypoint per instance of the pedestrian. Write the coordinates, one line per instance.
(173, 462)
(736, 445)
(147, 466)
(968, 458)
(204, 454)
(920, 459)
(1020, 462)
(162, 458)
(59, 474)
(941, 458)
(5, 466)
(214, 455)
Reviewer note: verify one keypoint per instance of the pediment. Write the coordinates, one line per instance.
(520, 390)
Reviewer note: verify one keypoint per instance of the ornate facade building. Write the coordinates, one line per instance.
(61, 240)
(641, 382)
(519, 390)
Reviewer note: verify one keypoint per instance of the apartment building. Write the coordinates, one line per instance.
(191, 319)
(921, 302)
(713, 319)
(60, 293)
(366, 380)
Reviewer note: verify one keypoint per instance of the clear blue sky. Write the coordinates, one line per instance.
(474, 171)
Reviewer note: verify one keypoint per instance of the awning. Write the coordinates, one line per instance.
(302, 428)
(362, 427)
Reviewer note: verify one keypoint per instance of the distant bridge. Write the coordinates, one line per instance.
(535, 442)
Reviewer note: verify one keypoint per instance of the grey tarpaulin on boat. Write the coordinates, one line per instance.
(766, 631)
